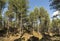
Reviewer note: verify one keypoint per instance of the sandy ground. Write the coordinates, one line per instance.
(26, 36)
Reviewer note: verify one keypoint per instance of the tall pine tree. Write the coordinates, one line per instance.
(44, 20)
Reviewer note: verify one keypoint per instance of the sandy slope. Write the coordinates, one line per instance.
(26, 36)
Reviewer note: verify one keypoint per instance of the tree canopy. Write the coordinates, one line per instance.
(55, 4)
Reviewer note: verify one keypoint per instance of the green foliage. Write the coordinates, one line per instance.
(42, 15)
(2, 3)
(19, 7)
(44, 19)
(34, 18)
(16, 17)
(55, 26)
(55, 4)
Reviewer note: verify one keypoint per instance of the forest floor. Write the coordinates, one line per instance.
(26, 36)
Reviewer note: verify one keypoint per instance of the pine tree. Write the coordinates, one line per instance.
(44, 20)
(19, 8)
(55, 26)
(34, 18)
(2, 3)
(55, 4)
(44, 24)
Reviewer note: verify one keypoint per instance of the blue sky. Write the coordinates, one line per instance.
(40, 3)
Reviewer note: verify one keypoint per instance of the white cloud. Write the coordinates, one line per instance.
(55, 13)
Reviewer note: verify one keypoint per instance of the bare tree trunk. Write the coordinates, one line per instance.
(21, 28)
(8, 28)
